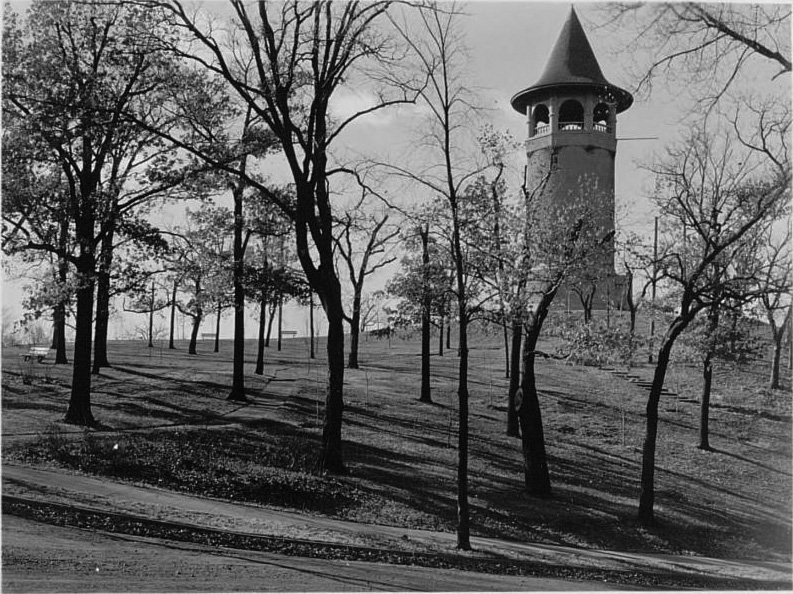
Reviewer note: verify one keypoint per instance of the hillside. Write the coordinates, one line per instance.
(163, 423)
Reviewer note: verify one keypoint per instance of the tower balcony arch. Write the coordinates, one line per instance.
(571, 116)
(540, 120)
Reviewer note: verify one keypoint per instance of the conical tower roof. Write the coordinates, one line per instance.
(572, 63)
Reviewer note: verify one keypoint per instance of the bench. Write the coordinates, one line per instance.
(288, 332)
(208, 335)
(40, 352)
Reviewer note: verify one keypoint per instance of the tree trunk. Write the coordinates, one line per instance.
(647, 494)
(776, 359)
(426, 395)
(59, 313)
(173, 317)
(506, 346)
(59, 333)
(513, 422)
(238, 374)
(463, 513)
(280, 320)
(331, 458)
(217, 328)
(270, 324)
(535, 461)
(103, 303)
(151, 318)
(194, 333)
(311, 353)
(448, 336)
(79, 411)
(102, 321)
(704, 407)
(355, 330)
(426, 304)
(440, 338)
(260, 342)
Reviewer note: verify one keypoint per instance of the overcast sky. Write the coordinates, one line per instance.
(509, 43)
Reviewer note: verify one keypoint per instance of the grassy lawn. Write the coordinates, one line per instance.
(166, 421)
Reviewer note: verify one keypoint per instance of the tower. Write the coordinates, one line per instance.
(572, 122)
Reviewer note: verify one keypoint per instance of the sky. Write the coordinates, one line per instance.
(509, 43)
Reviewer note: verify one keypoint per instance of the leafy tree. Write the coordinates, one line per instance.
(421, 285)
(71, 72)
(559, 239)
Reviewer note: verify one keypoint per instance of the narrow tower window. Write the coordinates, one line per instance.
(571, 115)
(600, 118)
(540, 120)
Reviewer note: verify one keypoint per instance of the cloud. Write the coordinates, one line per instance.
(346, 103)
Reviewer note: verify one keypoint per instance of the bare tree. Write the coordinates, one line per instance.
(772, 260)
(440, 52)
(702, 46)
(716, 191)
(374, 236)
(286, 61)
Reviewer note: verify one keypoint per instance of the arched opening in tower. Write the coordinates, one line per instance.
(600, 117)
(540, 120)
(571, 115)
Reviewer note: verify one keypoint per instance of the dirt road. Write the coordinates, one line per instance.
(42, 558)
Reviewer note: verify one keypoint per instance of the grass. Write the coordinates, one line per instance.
(166, 421)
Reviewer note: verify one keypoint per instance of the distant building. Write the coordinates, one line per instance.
(572, 124)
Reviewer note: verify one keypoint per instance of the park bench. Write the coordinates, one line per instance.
(208, 335)
(40, 352)
(288, 332)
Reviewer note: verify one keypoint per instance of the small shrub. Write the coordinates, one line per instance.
(596, 343)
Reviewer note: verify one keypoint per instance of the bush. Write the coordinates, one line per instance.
(596, 343)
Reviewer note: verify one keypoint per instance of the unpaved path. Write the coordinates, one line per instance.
(38, 557)
(42, 558)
